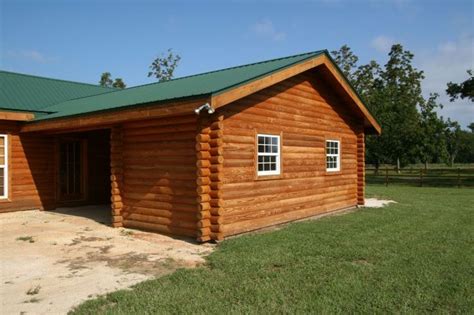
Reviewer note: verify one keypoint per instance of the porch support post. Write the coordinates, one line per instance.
(360, 168)
(116, 175)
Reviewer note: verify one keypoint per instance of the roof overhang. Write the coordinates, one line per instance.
(228, 96)
(107, 118)
(15, 116)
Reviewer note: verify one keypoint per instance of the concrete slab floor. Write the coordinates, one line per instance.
(52, 261)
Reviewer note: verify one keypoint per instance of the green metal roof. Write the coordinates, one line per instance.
(21, 92)
(209, 83)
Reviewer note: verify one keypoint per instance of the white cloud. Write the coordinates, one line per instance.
(449, 62)
(265, 28)
(382, 43)
(31, 55)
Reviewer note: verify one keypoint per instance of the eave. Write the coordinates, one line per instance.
(16, 116)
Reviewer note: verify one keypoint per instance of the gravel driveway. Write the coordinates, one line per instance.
(52, 261)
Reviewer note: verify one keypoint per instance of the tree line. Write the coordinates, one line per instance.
(412, 130)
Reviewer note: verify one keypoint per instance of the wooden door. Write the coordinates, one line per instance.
(72, 169)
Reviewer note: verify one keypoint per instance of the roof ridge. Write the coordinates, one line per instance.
(54, 79)
(248, 64)
(319, 52)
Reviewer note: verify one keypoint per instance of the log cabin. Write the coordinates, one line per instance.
(204, 156)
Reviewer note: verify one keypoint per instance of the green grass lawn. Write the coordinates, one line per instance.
(412, 257)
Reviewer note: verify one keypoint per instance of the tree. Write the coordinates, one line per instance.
(453, 137)
(118, 83)
(163, 67)
(346, 60)
(106, 81)
(411, 128)
(466, 147)
(400, 98)
(462, 90)
(471, 126)
(431, 142)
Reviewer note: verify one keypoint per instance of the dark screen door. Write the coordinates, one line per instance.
(71, 170)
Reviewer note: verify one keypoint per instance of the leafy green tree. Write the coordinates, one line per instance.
(370, 86)
(466, 147)
(411, 129)
(462, 90)
(471, 126)
(453, 136)
(432, 142)
(118, 83)
(401, 96)
(346, 60)
(163, 67)
(106, 81)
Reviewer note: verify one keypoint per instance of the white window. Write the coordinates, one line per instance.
(268, 154)
(333, 156)
(3, 167)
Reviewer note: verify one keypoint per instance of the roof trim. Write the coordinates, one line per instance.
(16, 116)
(119, 115)
(232, 94)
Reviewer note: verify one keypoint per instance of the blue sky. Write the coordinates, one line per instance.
(78, 40)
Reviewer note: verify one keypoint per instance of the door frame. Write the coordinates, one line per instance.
(84, 170)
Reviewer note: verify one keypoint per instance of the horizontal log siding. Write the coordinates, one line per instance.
(360, 168)
(306, 113)
(31, 170)
(209, 153)
(159, 190)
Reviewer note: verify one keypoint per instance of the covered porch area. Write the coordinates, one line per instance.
(82, 174)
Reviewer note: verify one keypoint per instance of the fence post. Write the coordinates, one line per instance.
(459, 177)
(386, 176)
(421, 177)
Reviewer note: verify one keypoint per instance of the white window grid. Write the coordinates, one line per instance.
(333, 155)
(268, 154)
(4, 167)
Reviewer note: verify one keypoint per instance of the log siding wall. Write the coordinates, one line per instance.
(159, 175)
(306, 112)
(209, 152)
(31, 170)
(360, 168)
(116, 175)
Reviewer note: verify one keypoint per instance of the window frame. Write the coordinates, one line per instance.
(336, 155)
(5, 166)
(277, 155)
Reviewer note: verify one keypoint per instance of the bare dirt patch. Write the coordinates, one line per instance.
(377, 203)
(75, 258)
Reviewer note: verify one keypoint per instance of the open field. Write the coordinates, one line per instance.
(414, 256)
